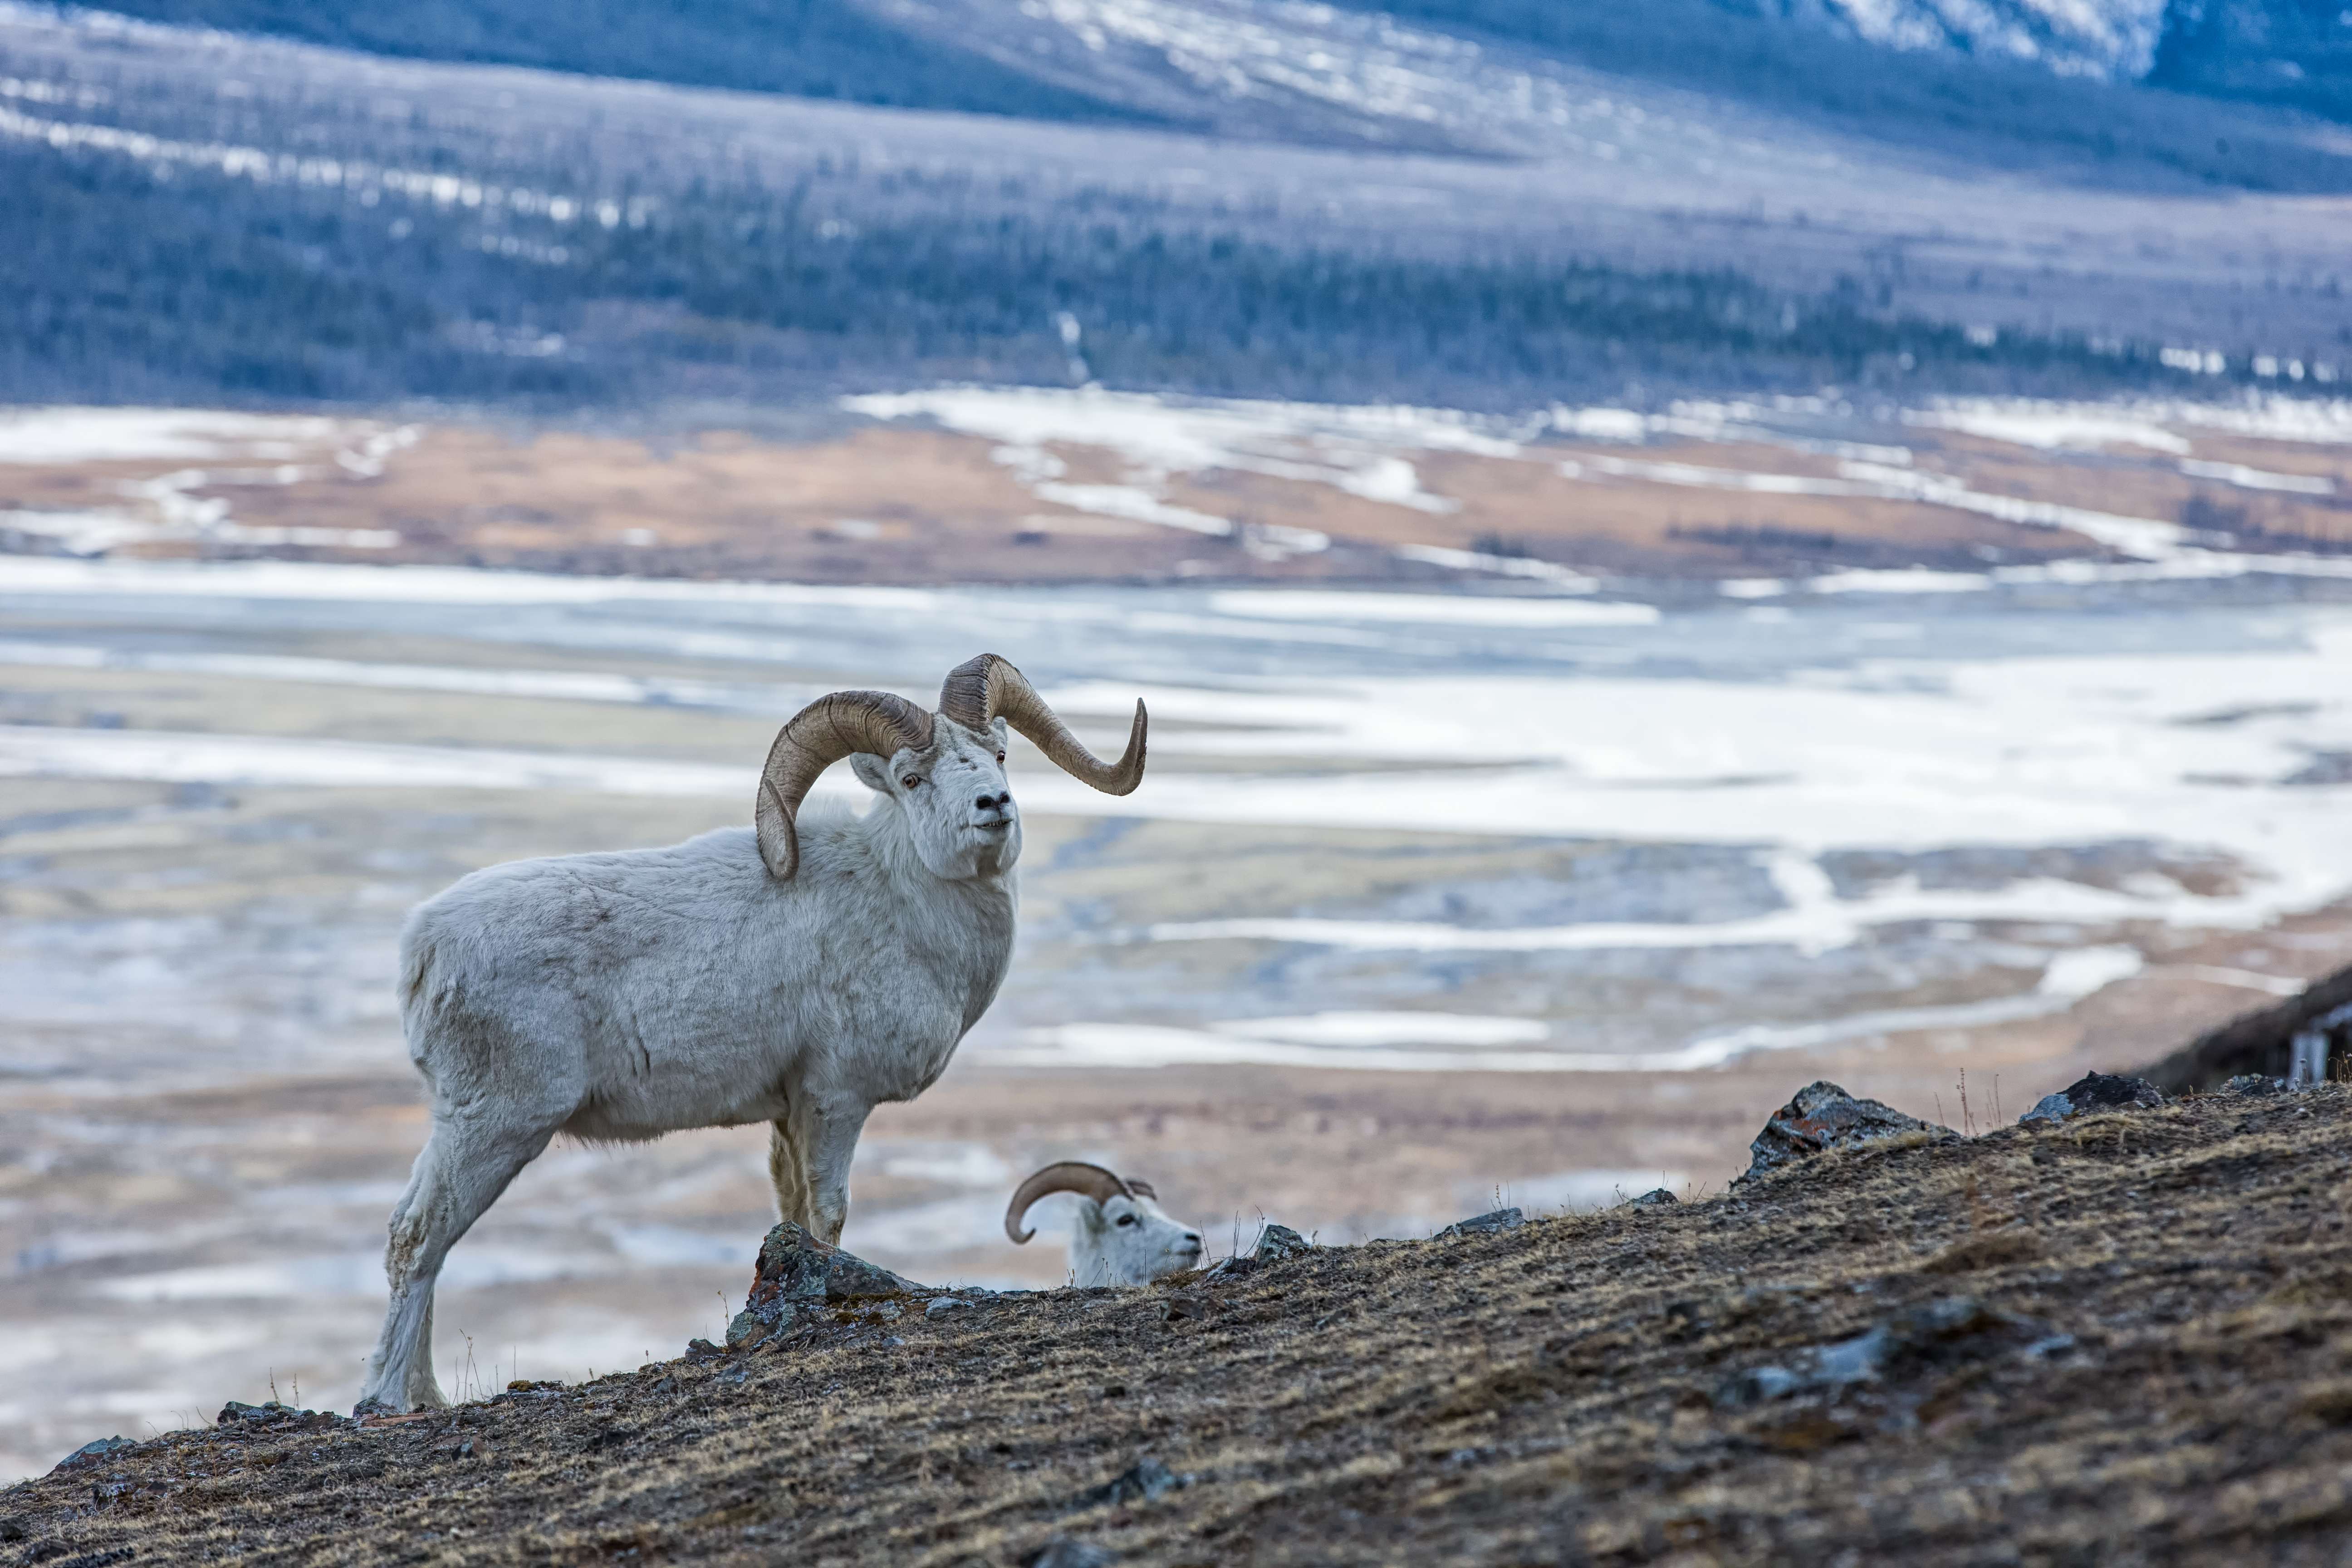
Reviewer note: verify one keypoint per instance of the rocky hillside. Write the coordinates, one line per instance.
(2040, 1344)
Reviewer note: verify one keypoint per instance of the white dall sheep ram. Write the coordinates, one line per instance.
(794, 974)
(1122, 1237)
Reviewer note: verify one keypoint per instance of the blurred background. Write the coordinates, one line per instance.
(1673, 551)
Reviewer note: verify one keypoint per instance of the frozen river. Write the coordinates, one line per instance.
(1637, 847)
(1876, 787)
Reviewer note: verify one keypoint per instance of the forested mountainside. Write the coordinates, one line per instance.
(125, 287)
(1982, 62)
(1334, 205)
(812, 48)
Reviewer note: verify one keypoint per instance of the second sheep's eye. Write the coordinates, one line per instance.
(1127, 1219)
(912, 780)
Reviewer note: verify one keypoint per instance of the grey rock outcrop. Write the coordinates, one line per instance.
(90, 1454)
(1274, 1243)
(1820, 1117)
(797, 1273)
(1486, 1224)
(1279, 1241)
(2095, 1091)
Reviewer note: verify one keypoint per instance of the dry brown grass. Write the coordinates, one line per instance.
(1550, 1395)
(892, 505)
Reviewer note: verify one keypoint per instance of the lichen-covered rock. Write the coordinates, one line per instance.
(1274, 1243)
(2095, 1091)
(2254, 1083)
(1656, 1198)
(1486, 1224)
(1279, 1241)
(92, 1454)
(796, 1272)
(1820, 1117)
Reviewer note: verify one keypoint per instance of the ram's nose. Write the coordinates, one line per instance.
(995, 802)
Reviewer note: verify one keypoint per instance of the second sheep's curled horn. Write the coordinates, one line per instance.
(1069, 1176)
(977, 692)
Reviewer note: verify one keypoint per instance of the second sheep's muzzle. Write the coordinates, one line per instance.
(977, 692)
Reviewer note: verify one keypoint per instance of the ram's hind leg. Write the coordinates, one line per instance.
(789, 1174)
(465, 1165)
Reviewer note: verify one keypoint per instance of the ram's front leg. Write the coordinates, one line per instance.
(809, 1150)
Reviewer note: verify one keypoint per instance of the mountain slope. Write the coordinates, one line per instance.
(265, 218)
(2034, 1345)
(812, 49)
(2295, 52)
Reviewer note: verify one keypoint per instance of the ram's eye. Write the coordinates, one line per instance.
(1127, 1219)
(912, 780)
(1000, 756)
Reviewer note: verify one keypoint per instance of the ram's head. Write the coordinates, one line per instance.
(1122, 1236)
(944, 771)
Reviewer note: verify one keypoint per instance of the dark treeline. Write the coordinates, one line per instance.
(123, 285)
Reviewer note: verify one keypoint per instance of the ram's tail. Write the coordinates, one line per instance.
(419, 990)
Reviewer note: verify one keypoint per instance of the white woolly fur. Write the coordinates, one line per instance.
(629, 994)
(1128, 1241)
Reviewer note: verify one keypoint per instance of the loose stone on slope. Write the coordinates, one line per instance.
(1274, 1243)
(2095, 1091)
(1820, 1117)
(1279, 1241)
(1485, 1224)
(89, 1455)
(796, 1272)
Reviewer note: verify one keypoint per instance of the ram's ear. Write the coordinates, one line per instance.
(873, 771)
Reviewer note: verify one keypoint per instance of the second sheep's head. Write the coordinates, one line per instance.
(1120, 1237)
(945, 772)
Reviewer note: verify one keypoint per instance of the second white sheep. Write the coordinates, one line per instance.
(1123, 1235)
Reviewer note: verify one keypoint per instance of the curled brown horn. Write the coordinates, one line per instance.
(1069, 1176)
(815, 737)
(986, 688)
